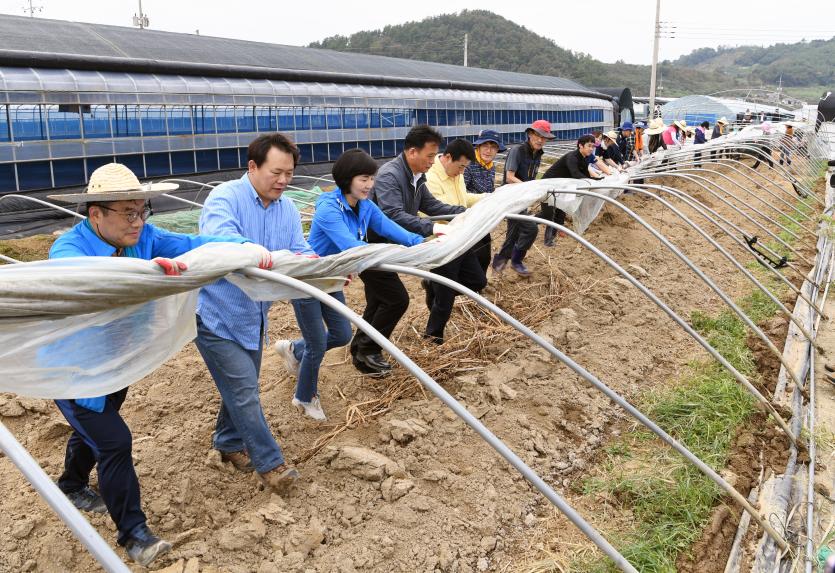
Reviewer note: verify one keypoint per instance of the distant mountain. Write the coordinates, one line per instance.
(800, 64)
(498, 43)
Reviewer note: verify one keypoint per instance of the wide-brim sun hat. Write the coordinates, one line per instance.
(656, 126)
(627, 126)
(115, 182)
(722, 120)
(613, 135)
(488, 135)
(541, 127)
(680, 123)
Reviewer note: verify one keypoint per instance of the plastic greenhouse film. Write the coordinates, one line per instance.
(87, 326)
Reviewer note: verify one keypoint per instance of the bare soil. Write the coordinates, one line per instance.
(394, 481)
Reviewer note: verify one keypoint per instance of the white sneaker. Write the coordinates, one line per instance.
(285, 349)
(312, 409)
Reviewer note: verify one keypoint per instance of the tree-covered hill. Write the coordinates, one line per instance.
(498, 43)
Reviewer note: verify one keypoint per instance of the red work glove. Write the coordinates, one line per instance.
(171, 267)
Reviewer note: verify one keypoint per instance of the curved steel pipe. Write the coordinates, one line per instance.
(693, 267)
(728, 164)
(737, 375)
(709, 214)
(695, 179)
(45, 203)
(674, 157)
(594, 381)
(60, 504)
(730, 258)
(743, 202)
(455, 406)
(181, 200)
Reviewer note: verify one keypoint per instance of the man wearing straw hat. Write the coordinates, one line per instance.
(718, 131)
(117, 206)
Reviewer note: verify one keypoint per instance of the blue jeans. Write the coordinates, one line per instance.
(312, 316)
(241, 425)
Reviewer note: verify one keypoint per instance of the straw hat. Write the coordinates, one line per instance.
(680, 123)
(115, 182)
(722, 120)
(656, 126)
(613, 135)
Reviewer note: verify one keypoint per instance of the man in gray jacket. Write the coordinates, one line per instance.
(400, 191)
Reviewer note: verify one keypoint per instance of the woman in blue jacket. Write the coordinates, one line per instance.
(342, 220)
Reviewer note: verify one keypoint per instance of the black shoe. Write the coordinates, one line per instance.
(369, 371)
(143, 546)
(375, 361)
(87, 499)
(429, 292)
(432, 338)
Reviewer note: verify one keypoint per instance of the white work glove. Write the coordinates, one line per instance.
(262, 255)
(440, 229)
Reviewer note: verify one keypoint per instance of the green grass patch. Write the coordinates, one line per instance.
(669, 499)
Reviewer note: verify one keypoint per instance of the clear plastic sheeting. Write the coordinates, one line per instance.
(94, 354)
(88, 326)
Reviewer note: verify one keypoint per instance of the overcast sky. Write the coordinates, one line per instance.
(609, 30)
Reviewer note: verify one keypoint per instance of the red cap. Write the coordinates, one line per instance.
(543, 128)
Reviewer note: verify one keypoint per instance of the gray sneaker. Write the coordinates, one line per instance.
(144, 547)
(87, 499)
(285, 349)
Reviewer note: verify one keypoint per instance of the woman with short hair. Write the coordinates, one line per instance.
(342, 220)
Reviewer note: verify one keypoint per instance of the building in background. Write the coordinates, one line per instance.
(74, 96)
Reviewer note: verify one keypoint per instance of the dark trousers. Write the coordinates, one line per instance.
(465, 270)
(551, 213)
(386, 301)
(103, 440)
(482, 250)
(520, 237)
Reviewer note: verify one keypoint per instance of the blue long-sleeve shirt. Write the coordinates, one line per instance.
(82, 241)
(234, 208)
(337, 227)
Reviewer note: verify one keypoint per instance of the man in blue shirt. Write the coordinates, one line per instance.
(115, 227)
(231, 328)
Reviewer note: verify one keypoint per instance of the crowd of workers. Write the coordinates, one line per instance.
(370, 204)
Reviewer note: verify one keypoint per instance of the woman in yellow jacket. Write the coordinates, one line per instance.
(445, 180)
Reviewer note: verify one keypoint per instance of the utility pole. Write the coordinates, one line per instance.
(142, 19)
(32, 9)
(654, 59)
(466, 37)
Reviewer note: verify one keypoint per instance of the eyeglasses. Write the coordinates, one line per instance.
(132, 216)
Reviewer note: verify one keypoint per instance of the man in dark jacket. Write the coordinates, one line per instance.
(626, 140)
(400, 191)
(521, 165)
(572, 165)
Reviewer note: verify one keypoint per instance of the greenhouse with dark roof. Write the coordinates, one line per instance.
(74, 96)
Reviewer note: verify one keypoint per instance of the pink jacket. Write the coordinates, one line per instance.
(669, 136)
